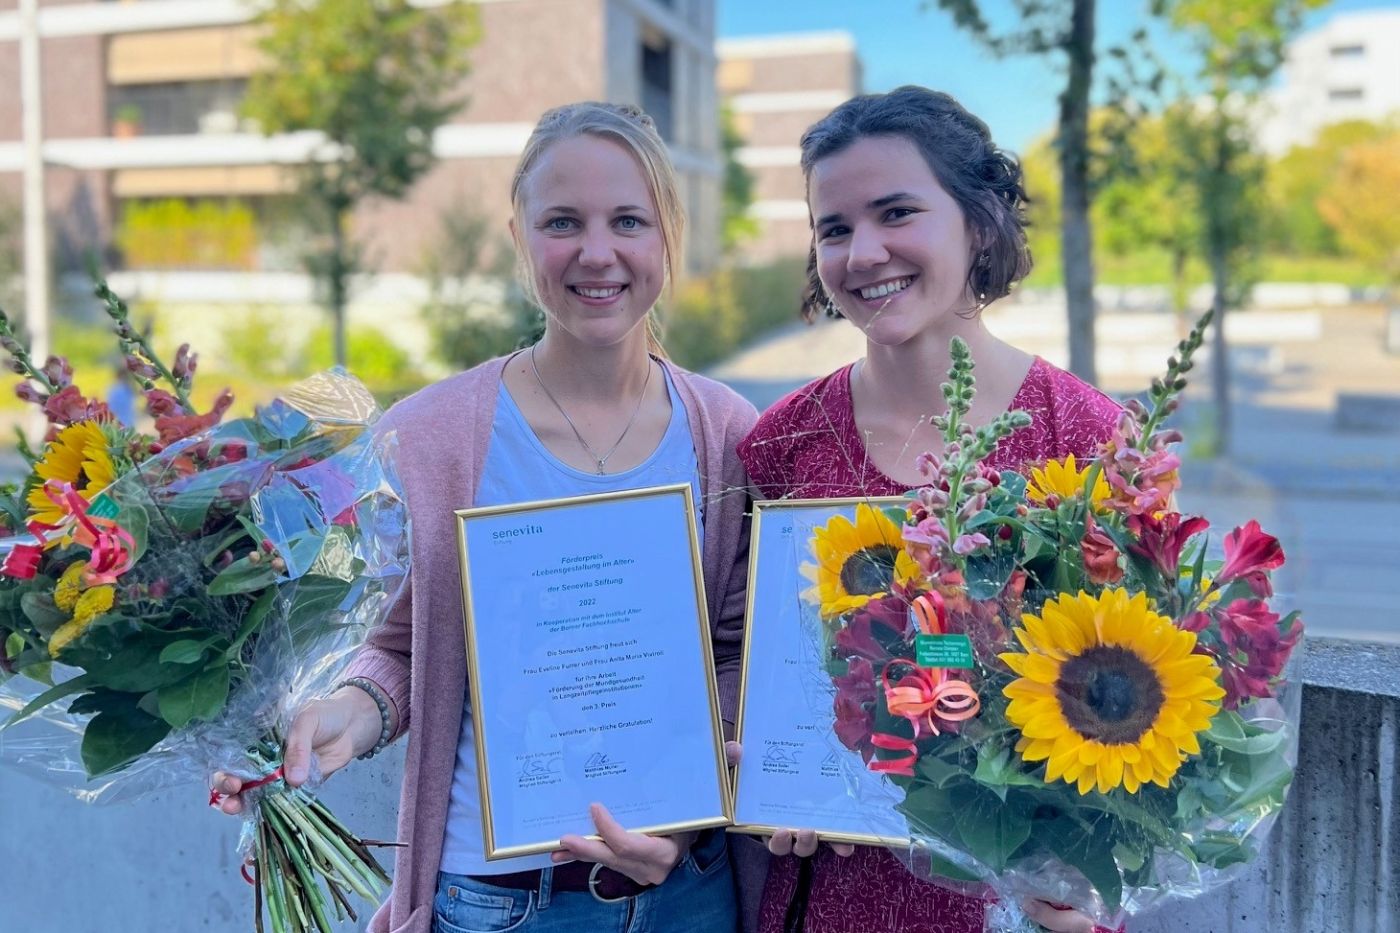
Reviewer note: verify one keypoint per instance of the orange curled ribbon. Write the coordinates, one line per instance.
(924, 696)
(931, 613)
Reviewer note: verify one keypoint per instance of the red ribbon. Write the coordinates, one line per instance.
(216, 796)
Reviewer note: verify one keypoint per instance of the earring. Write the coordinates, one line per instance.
(831, 309)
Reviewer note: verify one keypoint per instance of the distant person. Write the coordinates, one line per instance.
(122, 397)
(918, 225)
(594, 406)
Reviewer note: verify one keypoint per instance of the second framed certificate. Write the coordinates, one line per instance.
(794, 773)
(590, 671)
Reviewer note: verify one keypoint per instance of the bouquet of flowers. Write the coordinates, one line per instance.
(168, 598)
(1077, 702)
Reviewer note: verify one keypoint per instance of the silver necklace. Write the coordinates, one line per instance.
(601, 461)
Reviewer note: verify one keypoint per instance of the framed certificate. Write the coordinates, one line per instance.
(793, 775)
(590, 671)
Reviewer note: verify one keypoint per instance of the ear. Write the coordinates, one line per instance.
(514, 237)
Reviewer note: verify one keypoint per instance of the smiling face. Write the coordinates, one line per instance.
(589, 229)
(893, 247)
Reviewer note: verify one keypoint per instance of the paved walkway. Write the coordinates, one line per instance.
(1332, 496)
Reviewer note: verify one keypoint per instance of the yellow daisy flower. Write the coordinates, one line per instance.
(69, 586)
(857, 562)
(1109, 692)
(91, 604)
(78, 455)
(1064, 479)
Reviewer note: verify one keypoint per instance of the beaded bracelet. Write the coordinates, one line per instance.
(381, 701)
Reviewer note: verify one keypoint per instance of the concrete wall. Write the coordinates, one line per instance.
(169, 863)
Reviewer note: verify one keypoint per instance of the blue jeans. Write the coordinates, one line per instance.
(697, 897)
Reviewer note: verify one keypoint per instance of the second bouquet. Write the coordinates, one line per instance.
(1078, 699)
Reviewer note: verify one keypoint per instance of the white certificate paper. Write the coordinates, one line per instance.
(794, 773)
(590, 669)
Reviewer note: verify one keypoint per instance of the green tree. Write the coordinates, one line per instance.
(736, 226)
(1145, 203)
(1065, 29)
(1240, 46)
(1362, 204)
(475, 311)
(1296, 181)
(10, 262)
(376, 78)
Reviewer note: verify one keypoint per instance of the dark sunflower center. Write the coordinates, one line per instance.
(869, 570)
(1110, 694)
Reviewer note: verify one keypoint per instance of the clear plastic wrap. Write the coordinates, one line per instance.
(1077, 704)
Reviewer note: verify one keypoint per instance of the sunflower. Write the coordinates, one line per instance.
(1109, 692)
(1063, 479)
(79, 455)
(69, 586)
(857, 562)
(92, 604)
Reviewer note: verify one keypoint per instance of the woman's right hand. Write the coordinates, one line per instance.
(335, 729)
(803, 842)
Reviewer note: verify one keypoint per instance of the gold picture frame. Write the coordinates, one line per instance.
(480, 703)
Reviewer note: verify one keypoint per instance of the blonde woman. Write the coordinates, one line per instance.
(592, 407)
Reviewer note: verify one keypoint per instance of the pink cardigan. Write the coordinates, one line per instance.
(418, 657)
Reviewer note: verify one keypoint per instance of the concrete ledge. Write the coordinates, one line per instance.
(1364, 411)
(1333, 857)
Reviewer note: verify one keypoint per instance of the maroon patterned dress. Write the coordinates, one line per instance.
(808, 446)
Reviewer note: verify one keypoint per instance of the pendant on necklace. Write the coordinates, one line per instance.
(601, 471)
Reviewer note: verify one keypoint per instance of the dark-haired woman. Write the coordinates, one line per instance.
(918, 225)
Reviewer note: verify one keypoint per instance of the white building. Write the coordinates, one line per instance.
(1347, 69)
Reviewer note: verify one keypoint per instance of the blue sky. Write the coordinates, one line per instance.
(902, 43)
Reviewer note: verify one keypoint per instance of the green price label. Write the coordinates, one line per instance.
(943, 651)
(103, 507)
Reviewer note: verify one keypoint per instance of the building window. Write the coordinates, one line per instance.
(1345, 93)
(179, 107)
(1348, 51)
(657, 83)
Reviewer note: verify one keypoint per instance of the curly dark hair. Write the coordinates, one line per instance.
(985, 181)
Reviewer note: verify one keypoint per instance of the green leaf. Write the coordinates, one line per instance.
(42, 613)
(998, 771)
(1229, 730)
(124, 654)
(314, 599)
(186, 651)
(118, 736)
(252, 620)
(137, 523)
(1014, 484)
(991, 828)
(242, 576)
(1221, 850)
(57, 692)
(14, 644)
(199, 697)
(1088, 851)
(987, 573)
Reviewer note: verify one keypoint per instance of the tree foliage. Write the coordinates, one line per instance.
(1240, 45)
(736, 225)
(1065, 29)
(376, 78)
(1296, 181)
(1360, 203)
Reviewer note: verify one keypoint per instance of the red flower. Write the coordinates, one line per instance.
(1252, 649)
(1100, 555)
(173, 427)
(858, 638)
(1249, 555)
(1160, 540)
(68, 406)
(855, 699)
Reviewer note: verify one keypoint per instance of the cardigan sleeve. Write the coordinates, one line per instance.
(384, 658)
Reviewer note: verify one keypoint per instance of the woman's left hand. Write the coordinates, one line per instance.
(1057, 919)
(644, 859)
